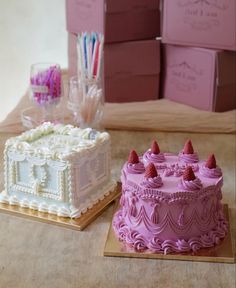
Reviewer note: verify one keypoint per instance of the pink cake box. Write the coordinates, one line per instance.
(199, 77)
(200, 23)
(131, 69)
(118, 20)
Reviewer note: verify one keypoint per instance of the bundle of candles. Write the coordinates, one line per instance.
(46, 85)
(89, 50)
(90, 57)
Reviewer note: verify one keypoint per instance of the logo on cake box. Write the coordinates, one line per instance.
(200, 23)
(199, 77)
(202, 14)
(190, 75)
(184, 76)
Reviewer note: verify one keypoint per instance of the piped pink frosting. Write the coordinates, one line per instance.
(140, 223)
(140, 243)
(188, 158)
(151, 157)
(191, 185)
(177, 170)
(137, 168)
(210, 173)
(153, 183)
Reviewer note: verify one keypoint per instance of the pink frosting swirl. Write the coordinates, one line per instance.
(154, 158)
(130, 237)
(195, 244)
(169, 246)
(191, 185)
(123, 231)
(140, 243)
(182, 245)
(210, 173)
(178, 170)
(155, 244)
(153, 183)
(137, 168)
(188, 158)
(168, 172)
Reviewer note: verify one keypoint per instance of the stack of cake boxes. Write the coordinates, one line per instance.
(131, 52)
(203, 77)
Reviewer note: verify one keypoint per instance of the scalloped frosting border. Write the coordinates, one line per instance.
(149, 193)
(139, 243)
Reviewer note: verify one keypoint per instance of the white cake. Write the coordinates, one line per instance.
(57, 169)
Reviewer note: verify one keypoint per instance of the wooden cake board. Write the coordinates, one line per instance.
(224, 252)
(76, 224)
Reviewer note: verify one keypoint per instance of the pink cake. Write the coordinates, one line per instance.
(170, 203)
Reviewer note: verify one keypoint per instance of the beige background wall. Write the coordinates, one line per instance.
(31, 31)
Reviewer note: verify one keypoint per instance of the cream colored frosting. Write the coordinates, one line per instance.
(56, 141)
(58, 151)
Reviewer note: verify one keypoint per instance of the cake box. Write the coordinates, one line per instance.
(200, 23)
(199, 77)
(117, 20)
(57, 169)
(131, 69)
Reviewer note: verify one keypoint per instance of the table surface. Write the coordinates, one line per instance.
(35, 254)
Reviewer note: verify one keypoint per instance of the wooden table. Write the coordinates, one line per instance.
(40, 255)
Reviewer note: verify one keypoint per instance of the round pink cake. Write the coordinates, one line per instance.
(170, 203)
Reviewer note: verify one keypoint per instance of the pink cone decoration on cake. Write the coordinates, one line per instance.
(155, 148)
(133, 157)
(189, 174)
(150, 171)
(211, 162)
(188, 147)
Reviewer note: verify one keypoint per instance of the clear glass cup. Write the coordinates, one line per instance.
(86, 101)
(46, 90)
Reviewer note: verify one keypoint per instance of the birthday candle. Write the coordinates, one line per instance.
(85, 51)
(80, 62)
(82, 59)
(96, 55)
(88, 54)
(100, 58)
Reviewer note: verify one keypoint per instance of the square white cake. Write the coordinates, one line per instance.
(59, 169)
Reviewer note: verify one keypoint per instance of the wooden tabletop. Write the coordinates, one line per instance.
(35, 254)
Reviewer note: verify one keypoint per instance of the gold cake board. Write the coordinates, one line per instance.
(224, 252)
(76, 224)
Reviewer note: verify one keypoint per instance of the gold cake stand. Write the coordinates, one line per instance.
(224, 252)
(76, 224)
